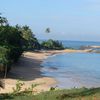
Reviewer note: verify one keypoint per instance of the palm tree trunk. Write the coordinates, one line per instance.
(5, 74)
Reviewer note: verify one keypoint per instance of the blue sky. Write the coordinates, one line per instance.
(67, 19)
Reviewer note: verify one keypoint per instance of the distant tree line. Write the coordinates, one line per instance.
(52, 45)
(16, 39)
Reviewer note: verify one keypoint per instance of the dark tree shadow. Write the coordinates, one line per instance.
(26, 69)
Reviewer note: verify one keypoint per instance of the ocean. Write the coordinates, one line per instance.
(78, 44)
(74, 69)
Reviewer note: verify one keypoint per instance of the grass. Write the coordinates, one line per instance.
(72, 94)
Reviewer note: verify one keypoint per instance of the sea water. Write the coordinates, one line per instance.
(79, 44)
(76, 44)
(73, 69)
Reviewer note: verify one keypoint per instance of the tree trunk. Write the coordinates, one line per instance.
(5, 74)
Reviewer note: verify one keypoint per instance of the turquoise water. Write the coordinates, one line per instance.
(73, 69)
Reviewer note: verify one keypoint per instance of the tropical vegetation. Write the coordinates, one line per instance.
(10, 45)
(52, 45)
(13, 41)
(16, 39)
(66, 94)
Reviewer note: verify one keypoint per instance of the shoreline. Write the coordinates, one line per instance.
(28, 70)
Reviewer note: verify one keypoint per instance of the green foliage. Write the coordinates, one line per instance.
(10, 36)
(31, 89)
(13, 40)
(52, 45)
(18, 87)
(30, 41)
(53, 88)
(15, 53)
(66, 94)
(10, 46)
(3, 20)
(4, 58)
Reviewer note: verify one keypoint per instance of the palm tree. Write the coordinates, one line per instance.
(47, 30)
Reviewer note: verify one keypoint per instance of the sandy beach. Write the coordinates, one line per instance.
(28, 70)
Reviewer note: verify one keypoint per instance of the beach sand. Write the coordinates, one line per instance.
(28, 70)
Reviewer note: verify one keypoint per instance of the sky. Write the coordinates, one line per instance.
(67, 19)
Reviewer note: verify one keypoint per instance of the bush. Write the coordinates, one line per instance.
(52, 45)
(4, 58)
(10, 46)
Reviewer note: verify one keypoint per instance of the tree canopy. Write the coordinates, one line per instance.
(30, 41)
(3, 20)
(52, 45)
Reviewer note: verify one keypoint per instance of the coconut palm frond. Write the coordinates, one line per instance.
(47, 30)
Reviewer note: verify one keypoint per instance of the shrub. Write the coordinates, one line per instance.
(4, 58)
(10, 46)
(52, 45)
